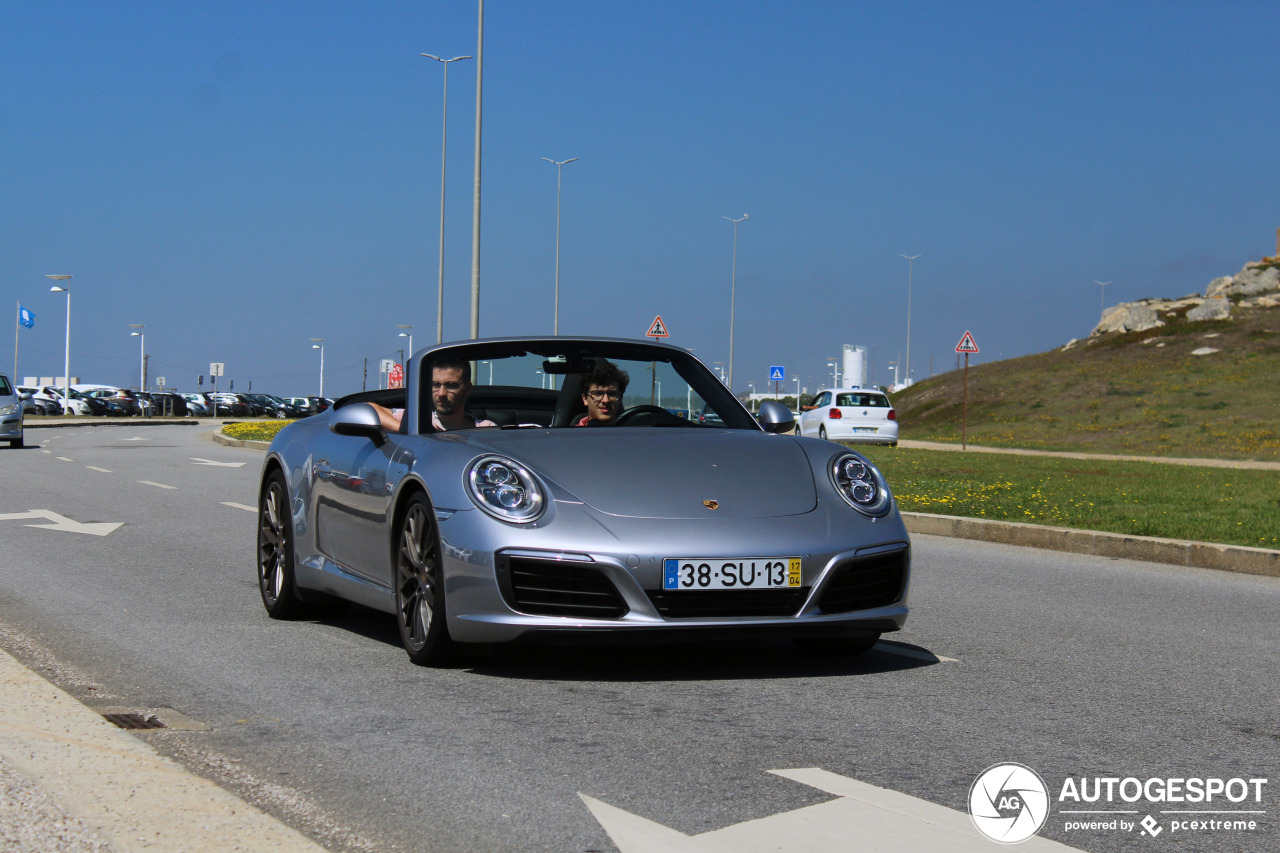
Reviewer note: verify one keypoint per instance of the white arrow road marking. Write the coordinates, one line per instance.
(157, 485)
(199, 461)
(861, 818)
(96, 468)
(61, 522)
(234, 505)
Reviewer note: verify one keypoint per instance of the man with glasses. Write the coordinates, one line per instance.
(602, 391)
(450, 386)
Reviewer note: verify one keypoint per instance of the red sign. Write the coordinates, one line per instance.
(967, 344)
(395, 377)
(657, 329)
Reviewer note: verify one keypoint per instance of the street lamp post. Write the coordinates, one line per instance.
(409, 334)
(142, 354)
(1102, 297)
(733, 289)
(444, 139)
(835, 382)
(559, 164)
(66, 364)
(319, 344)
(719, 365)
(911, 259)
(751, 393)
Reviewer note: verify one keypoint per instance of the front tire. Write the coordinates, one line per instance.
(419, 587)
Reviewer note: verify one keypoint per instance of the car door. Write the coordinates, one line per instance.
(811, 419)
(351, 490)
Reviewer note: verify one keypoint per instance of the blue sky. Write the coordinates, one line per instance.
(242, 177)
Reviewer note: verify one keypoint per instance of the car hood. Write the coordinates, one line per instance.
(667, 473)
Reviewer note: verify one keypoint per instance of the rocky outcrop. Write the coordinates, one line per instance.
(1255, 286)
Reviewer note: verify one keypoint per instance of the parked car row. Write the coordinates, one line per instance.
(110, 401)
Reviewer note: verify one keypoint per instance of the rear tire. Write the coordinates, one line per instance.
(275, 552)
(822, 433)
(419, 587)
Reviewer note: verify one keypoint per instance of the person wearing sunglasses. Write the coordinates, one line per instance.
(450, 386)
(602, 394)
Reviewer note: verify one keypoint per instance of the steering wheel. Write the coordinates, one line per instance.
(637, 411)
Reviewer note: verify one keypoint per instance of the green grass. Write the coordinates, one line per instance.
(1142, 393)
(254, 430)
(1228, 506)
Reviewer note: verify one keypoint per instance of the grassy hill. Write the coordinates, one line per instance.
(1141, 393)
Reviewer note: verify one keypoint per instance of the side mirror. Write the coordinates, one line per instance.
(775, 417)
(358, 419)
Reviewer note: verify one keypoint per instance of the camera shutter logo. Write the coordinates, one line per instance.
(1008, 803)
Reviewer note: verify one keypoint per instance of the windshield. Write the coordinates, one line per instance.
(562, 382)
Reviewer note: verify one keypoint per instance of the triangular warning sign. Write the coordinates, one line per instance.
(967, 344)
(657, 329)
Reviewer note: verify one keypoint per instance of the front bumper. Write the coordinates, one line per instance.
(608, 580)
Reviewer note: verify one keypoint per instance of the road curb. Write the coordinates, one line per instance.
(1151, 549)
(121, 788)
(240, 442)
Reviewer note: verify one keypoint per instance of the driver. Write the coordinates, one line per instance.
(450, 386)
(602, 391)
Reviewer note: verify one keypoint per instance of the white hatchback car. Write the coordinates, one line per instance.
(851, 414)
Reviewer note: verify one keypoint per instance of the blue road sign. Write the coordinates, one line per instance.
(777, 373)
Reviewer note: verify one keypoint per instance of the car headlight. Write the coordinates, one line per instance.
(505, 489)
(860, 484)
(8, 410)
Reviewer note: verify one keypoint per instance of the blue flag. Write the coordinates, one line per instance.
(25, 317)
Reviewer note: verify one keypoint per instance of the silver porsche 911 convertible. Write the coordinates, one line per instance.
(576, 488)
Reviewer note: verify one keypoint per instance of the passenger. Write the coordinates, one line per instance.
(602, 391)
(450, 387)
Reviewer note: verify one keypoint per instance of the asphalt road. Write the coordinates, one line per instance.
(1074, 666)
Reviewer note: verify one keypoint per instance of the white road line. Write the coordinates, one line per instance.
(50, 452)
(199, 461)
(138, 438)
(96, 468)
(63, 459)
(235, 505)
(157, 485)
(895, 649)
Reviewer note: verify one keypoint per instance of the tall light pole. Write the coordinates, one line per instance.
(475, 207)
(444, 139)
(1102, 297)
(409, 334)
(911, 259)
(66, 364)
(733, 289)
(142, 354)
(559, 164)
(719, 365)
(319, 344)
(835, 381)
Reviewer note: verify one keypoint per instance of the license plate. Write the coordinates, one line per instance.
(864, 429)
(703, 573)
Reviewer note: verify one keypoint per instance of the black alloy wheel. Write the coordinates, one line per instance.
(419, 587)
(275, 551)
